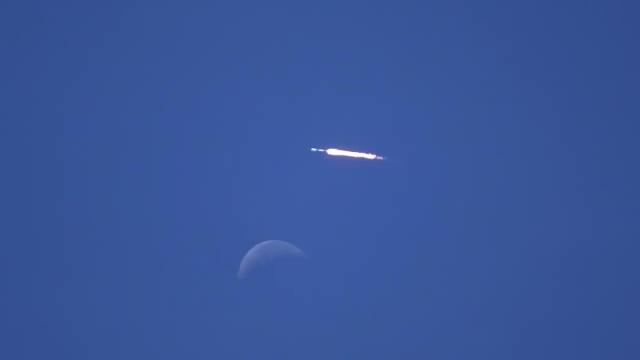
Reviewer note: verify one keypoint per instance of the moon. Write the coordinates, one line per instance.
(265, 253)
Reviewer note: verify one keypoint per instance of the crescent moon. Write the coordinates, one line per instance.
(266, 252)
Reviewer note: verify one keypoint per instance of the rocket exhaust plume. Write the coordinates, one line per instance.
(353, 154)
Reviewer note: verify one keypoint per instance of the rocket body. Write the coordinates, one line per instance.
(347, 153)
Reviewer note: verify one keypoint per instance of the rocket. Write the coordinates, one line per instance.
(347, 153)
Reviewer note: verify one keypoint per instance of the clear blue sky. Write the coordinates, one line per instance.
(148, 144)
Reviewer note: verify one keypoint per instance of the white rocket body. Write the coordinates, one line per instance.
(347, 153)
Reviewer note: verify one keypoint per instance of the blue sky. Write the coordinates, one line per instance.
(149, 145)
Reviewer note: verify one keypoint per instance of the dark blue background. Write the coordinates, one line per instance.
(148, 144)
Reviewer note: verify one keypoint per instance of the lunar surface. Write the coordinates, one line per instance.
(266, 253)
